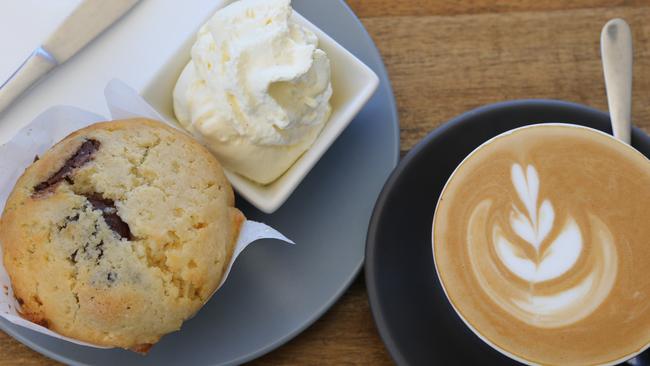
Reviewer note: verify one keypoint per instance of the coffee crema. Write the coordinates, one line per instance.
(542, 240)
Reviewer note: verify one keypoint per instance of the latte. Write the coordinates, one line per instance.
(542, 244)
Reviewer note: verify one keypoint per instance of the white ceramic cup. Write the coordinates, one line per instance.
(442, 196)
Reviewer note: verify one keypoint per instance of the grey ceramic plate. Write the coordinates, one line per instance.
(275, 290)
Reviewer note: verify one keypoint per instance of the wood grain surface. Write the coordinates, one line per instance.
(445, 57)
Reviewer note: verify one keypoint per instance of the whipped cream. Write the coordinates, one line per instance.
(257, 89)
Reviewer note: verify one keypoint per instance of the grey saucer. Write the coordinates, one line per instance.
(414, 318)
(276, 290)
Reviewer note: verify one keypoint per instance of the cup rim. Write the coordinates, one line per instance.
(433, 251)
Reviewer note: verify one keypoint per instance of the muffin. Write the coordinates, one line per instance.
(119, 233)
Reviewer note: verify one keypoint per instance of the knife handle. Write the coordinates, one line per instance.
(39, 63)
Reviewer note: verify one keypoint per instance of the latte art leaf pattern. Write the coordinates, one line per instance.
(556, 253)
(534, 228)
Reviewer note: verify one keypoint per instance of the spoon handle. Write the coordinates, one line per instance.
(616, 53)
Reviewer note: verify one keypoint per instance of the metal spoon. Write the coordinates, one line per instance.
(616, 53)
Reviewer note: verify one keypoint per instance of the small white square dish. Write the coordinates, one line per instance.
(353, 84)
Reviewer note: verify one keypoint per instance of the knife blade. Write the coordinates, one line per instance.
(85, 23)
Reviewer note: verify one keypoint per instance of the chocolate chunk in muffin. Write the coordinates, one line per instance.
(82, 156)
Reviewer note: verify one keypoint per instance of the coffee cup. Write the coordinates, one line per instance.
(541, 241)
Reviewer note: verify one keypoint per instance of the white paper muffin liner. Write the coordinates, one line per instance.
(50, 127)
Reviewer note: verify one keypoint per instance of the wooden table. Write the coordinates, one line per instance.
(445, 57)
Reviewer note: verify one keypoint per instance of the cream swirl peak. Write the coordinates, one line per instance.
(535, 256)
(257, 90)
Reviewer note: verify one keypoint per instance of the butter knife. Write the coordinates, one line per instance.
(87, 21)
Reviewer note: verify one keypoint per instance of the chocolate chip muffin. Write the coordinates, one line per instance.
(119, 233)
